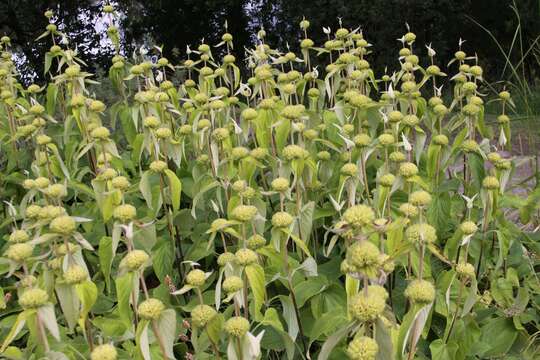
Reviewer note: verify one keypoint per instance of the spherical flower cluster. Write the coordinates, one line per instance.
(490, 183)
(409, 210)
(291, 152)
(420, 198)
(255, 242)
(362, 348)
(75, 274)
(362, 140)
(19, 252)
(134, 260)
(468, 227)
(465, 270)
(232, 284)
(364, 257)
(440, 139)
(282, 219)
(367, 308)
(349, 169)
(100, 133)
(120, 183)
(387, 180)
(226, 258)
(421, 233)
(408, 169)
(196, 278)
(150, 309)
(386, 139)
(239, 152)
(469, 146)
(33, 298)
(244, 213)
(220, 134)
(359, 216)
(420, 292)
(237, 326)
(104, 352)
(245, 257)
(201, 315)
(292, 112)
(259, 153)
(158, 166)
(280, 184)
(125, 213)
(19, 236)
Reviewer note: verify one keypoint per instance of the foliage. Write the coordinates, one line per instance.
(309, 212)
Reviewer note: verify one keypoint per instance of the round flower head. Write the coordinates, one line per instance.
(408, 210)
(239, 185)
(259, 153)
(196, 278)
(125, 213)
(150, 309)
(282, 219)
(163, 133)
(420, 292)
(134, 260)
(232, 284)
(158, 166)
(421, 233)
(244, 213)
(386, 139)
(33, 298)
(42, 182)
(465, 270)
(220, 134)
(362, 140)
(226, 258)
(201, 315)
(32, 211)
(386, 263)
(104, 352)
(420, 198)
(323, 155)
(120, 182)
(291, 152)
(255, 242)
(100, 133)
(245, 257)
(387, 180)
(239, 152)
(397, 157)
(349, 169)
(19, 252)
(440, 139)
(19, 236)
(292, 112)
(75, 274)
(468, 227)
(237, 326)
(362, 348)
(359, 216)
(280, 184)
(469, 146)
(363, 257)
(490, 183)
(367, 308)
(408, 169)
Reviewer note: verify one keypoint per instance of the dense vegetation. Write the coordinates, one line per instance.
(299, 212)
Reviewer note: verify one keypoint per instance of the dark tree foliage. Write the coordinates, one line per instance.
(175, 24)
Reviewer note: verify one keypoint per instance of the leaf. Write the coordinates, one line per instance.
(124, 287)
(384, 340)
(15, 329)
(299, 242)
(52, 93)
(167, 329)
(87, 292)
(47, 316)
(106, 255)
(333, 340)
(142, 339)
(175, 189)
(499, 334)
(255, 275)
(69, 303)
(163, 259)
(146, 188)
(441, 351)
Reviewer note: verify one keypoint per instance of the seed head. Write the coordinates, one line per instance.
(282, 219)
(134, 260)
(33, 298)
(125, 213)
(362, 348)
(104, 352)
(359, 216)
(196, 278)
(150, 309)
(201, 315)
(237, 326)
(420, 292)
(245, 257)
(64, 225)
(232, 284)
